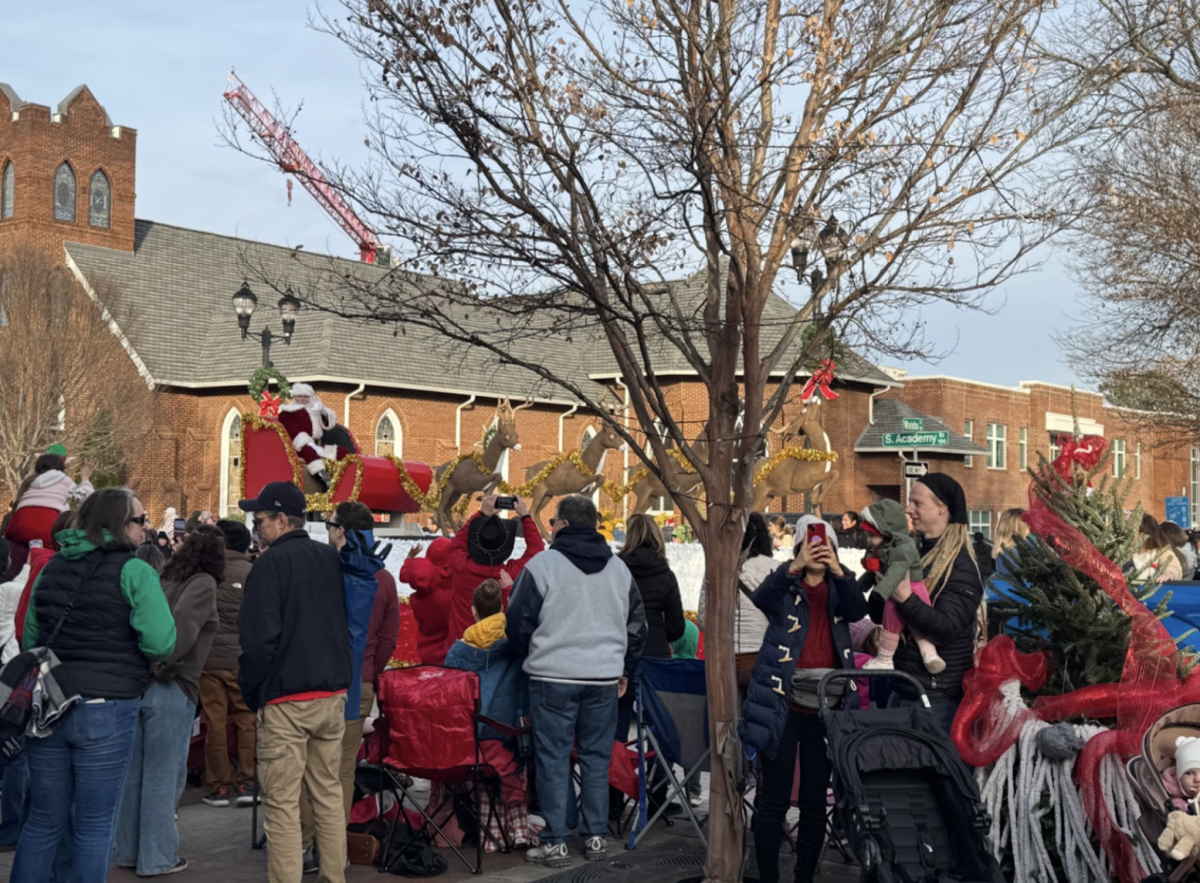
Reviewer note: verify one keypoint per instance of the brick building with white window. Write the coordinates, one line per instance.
(67, 184)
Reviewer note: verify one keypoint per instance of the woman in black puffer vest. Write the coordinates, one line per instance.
(938, 510)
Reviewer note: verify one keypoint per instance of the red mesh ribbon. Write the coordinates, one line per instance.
(980, 729)
(1085, 453)
(820, 382)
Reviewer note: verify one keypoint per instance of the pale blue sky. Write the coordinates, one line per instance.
(161, 68)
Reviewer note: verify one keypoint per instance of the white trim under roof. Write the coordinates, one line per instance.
(142, 370)
(690, 372)
(1066, 423)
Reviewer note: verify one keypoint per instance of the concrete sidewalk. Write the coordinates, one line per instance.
(216, 843)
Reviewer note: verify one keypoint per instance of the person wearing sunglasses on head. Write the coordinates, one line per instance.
(103, 613)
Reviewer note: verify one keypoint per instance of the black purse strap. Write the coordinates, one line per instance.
(71, 604)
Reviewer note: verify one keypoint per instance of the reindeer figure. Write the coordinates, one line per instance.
(467, 477)
(566, 478)
(650, 487)
(813, 479)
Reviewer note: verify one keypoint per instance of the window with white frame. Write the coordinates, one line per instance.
(1119, 463)
(1195, 487)
(660, 504)
(1137, 460)
(980, 521)
(1023, 449)
(968, 431)
(997, 446)
(389, 435)
(1054, 448)
(231, 465)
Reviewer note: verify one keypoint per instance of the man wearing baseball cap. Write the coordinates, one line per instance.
(294, 670)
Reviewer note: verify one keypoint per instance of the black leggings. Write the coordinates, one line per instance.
(803, 737)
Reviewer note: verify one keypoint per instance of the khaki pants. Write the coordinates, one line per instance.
(222, 701)
(351, 742)
(299, 744)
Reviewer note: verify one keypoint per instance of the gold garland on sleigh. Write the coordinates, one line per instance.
(804, 455)
(334, 468)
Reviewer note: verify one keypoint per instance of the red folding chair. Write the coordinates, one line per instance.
(429, 728)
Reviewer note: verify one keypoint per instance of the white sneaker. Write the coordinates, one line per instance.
(934, 664)
(595, 849)
(877, 664)
(549, 855)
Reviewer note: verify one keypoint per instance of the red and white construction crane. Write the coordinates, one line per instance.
(293, 160)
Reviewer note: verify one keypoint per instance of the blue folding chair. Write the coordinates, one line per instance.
(672, 727)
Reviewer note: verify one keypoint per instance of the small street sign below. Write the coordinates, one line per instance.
(939, 439)
(912, 424)
(916, 470)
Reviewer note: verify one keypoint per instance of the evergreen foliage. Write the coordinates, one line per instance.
(1057, 607)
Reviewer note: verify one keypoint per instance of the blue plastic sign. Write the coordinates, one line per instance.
(1179, 511)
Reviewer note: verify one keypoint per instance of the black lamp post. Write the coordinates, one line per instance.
(829, 239)
(245, 302)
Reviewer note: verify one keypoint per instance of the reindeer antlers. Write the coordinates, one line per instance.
(528, 403)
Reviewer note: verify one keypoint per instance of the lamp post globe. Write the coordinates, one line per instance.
(245, 302)
(289, 307)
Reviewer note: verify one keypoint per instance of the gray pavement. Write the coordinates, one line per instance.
(216, 843)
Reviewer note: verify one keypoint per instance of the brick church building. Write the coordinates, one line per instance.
(67, 190)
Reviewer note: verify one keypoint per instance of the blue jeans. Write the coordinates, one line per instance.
(12, 803)
(76, 773)
(147, 836)
(565, 716)
(943, 709)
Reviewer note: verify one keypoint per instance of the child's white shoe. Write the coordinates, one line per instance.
(934, 664)
(880, 664)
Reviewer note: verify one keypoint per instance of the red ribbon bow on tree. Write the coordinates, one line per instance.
(1085, 453)
(820, 381)
(268, 406)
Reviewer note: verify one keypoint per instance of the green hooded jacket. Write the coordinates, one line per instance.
(686, 647)
(899, 554)
(150, 613)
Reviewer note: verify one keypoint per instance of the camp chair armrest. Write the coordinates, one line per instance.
(502, 728)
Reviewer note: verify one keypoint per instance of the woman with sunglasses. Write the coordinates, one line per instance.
(103, 613)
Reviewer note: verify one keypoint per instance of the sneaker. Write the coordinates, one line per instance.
(595, 849)
(246, 795)
(878, 664)
(696, 800)
(311, 865)
(180, 865)
(549, 855)
(217, 797)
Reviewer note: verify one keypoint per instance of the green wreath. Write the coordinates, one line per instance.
(260, 379)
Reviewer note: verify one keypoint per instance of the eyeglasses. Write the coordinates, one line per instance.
(330, 525)
(141, 519)
(258, 522)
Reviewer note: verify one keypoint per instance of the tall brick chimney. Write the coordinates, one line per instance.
(65, 175)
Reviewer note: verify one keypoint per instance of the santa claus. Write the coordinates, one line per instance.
(307, 420)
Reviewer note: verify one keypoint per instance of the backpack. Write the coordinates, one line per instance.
(410, 854)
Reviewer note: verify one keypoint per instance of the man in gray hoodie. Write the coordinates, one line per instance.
(576, 616)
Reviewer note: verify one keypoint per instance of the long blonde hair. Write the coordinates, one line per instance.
(642, 530)
(940, 560)
(1009, 529)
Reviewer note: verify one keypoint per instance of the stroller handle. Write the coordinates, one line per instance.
(855, 673)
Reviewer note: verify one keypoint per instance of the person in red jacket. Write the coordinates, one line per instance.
(480, 551)
(37, 560)
(429, 578)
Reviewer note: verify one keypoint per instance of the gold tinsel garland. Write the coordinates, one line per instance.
(804, 455)
(335, 469)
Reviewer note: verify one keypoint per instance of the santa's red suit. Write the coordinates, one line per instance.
(305, 425)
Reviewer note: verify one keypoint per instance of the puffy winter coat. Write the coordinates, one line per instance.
(503, 687)
(749, 624)
(660, 598)
(949, 623)
(54, 490)
(765, 713)
(225, 649)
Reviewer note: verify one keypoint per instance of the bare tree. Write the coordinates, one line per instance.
(63, 377)
(550, 168)
(1137, 246)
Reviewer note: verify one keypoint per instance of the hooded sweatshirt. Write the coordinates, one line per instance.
(899, 554)
(429, 578)
(54, 490)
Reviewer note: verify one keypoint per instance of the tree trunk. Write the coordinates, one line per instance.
(721, 545)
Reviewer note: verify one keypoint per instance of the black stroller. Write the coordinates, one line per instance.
(903, 797)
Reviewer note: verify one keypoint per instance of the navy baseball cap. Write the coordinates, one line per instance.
(277, 496)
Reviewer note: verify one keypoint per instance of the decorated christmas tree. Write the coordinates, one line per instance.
(1057, 606)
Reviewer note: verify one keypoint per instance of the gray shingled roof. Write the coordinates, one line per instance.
(889, 414)
(176, 311)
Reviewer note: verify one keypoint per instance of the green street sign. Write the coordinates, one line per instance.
(913, 424)
(916, 439)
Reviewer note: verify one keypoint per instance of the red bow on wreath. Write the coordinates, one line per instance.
(1085, 453)
(820, 381)
(268, 406)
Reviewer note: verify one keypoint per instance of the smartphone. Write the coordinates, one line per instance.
(180, 526)
(506, 502)
(816, 533)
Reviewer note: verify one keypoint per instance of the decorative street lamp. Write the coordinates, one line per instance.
(245, 302)
(830, 240)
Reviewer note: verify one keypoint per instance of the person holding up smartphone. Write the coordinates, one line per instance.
(809, 604)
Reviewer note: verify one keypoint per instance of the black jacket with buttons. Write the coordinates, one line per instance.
(782, 598)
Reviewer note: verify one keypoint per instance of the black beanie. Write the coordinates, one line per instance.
(237, 535)
(950, 492)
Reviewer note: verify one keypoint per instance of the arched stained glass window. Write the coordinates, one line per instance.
(64, 193)
(99, 201)
(7, 186)
(231, 465)
(385, 438)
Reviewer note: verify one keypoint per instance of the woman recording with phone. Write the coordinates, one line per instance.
(809, 604)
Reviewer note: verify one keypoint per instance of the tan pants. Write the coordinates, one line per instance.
(299, 744)
(222, 701)
(351, 742)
